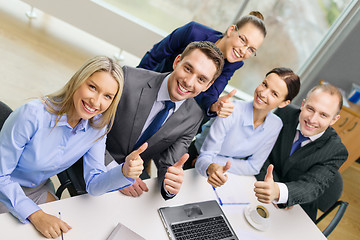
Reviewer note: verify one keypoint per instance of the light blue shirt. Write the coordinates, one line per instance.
(234, 138)
(32, 150)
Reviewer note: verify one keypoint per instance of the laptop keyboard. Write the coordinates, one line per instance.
(204, 229)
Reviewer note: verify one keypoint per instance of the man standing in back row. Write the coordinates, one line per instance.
(158, 108)
(307, 153)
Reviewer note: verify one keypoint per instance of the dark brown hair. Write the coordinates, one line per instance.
(210, 50)
(291, 79)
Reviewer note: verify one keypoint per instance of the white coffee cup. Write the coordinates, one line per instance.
(260, 215)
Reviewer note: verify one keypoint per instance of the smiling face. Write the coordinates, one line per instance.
(271, 93)
(318, 112)
(93, 97)
(233, 46)
(192, 75)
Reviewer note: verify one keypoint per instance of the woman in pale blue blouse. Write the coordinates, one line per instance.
(48, 135)
(241, 142)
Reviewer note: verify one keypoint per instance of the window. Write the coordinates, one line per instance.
(295, 28)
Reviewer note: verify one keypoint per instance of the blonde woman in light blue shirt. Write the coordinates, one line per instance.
(46, 136)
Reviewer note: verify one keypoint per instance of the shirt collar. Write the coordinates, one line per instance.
(163, 94)
(249, 116)
(83, 125)
(313, 137)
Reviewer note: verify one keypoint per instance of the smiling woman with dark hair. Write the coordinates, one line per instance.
(242, 142)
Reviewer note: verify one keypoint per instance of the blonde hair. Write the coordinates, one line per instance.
(61, 101)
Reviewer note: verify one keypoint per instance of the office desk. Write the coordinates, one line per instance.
(95, 217)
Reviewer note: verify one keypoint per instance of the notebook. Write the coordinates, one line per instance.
(201, 220)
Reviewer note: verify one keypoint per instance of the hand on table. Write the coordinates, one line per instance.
(216, 174)
(136, 189)
(134, 165)
(277, 206)
(267, 191)
(48, 225)
(175, 176)
(223, 106)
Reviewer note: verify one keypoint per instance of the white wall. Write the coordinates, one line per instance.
(97, 18)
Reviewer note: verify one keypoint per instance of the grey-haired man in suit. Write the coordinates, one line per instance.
(145, 95)
(307, 153)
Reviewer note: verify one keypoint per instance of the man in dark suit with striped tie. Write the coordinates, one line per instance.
(307, 153)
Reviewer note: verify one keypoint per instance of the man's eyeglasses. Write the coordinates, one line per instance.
(250, 51)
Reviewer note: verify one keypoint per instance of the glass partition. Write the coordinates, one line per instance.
(294, 28)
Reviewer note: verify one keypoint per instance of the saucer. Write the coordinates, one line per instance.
(261, 227)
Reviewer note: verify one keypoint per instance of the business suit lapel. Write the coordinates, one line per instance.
(287, 137)
(147, 98)
(304, 153)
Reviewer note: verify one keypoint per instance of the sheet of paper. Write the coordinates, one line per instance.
(231, 192)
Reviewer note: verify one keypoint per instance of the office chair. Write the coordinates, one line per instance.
(72, 179)
(5, 111)
(329, 202)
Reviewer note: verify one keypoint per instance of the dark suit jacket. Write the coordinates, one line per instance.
(308, 171)
(170, 142)
(161, 57)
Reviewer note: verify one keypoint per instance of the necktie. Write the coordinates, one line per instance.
(155, 124)
(297, 144)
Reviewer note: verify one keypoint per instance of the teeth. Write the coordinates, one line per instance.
(89, 108)
(259, 100)
(309, 125)
(183, 89)
(236, 54)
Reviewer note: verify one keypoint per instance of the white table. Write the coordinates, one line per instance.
(95, 217)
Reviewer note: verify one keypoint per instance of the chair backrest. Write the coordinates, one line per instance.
(5, 111)
(72, 179)
(331, 194)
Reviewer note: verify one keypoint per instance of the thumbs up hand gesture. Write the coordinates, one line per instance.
(267, 191)
(223, 106)
(134, 165)
(175, 176)
(216, 173)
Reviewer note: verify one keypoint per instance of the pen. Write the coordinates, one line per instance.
(220, 202)
(62, 236)
(240, 203)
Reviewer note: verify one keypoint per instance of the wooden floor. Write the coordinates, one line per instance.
(38, 57)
